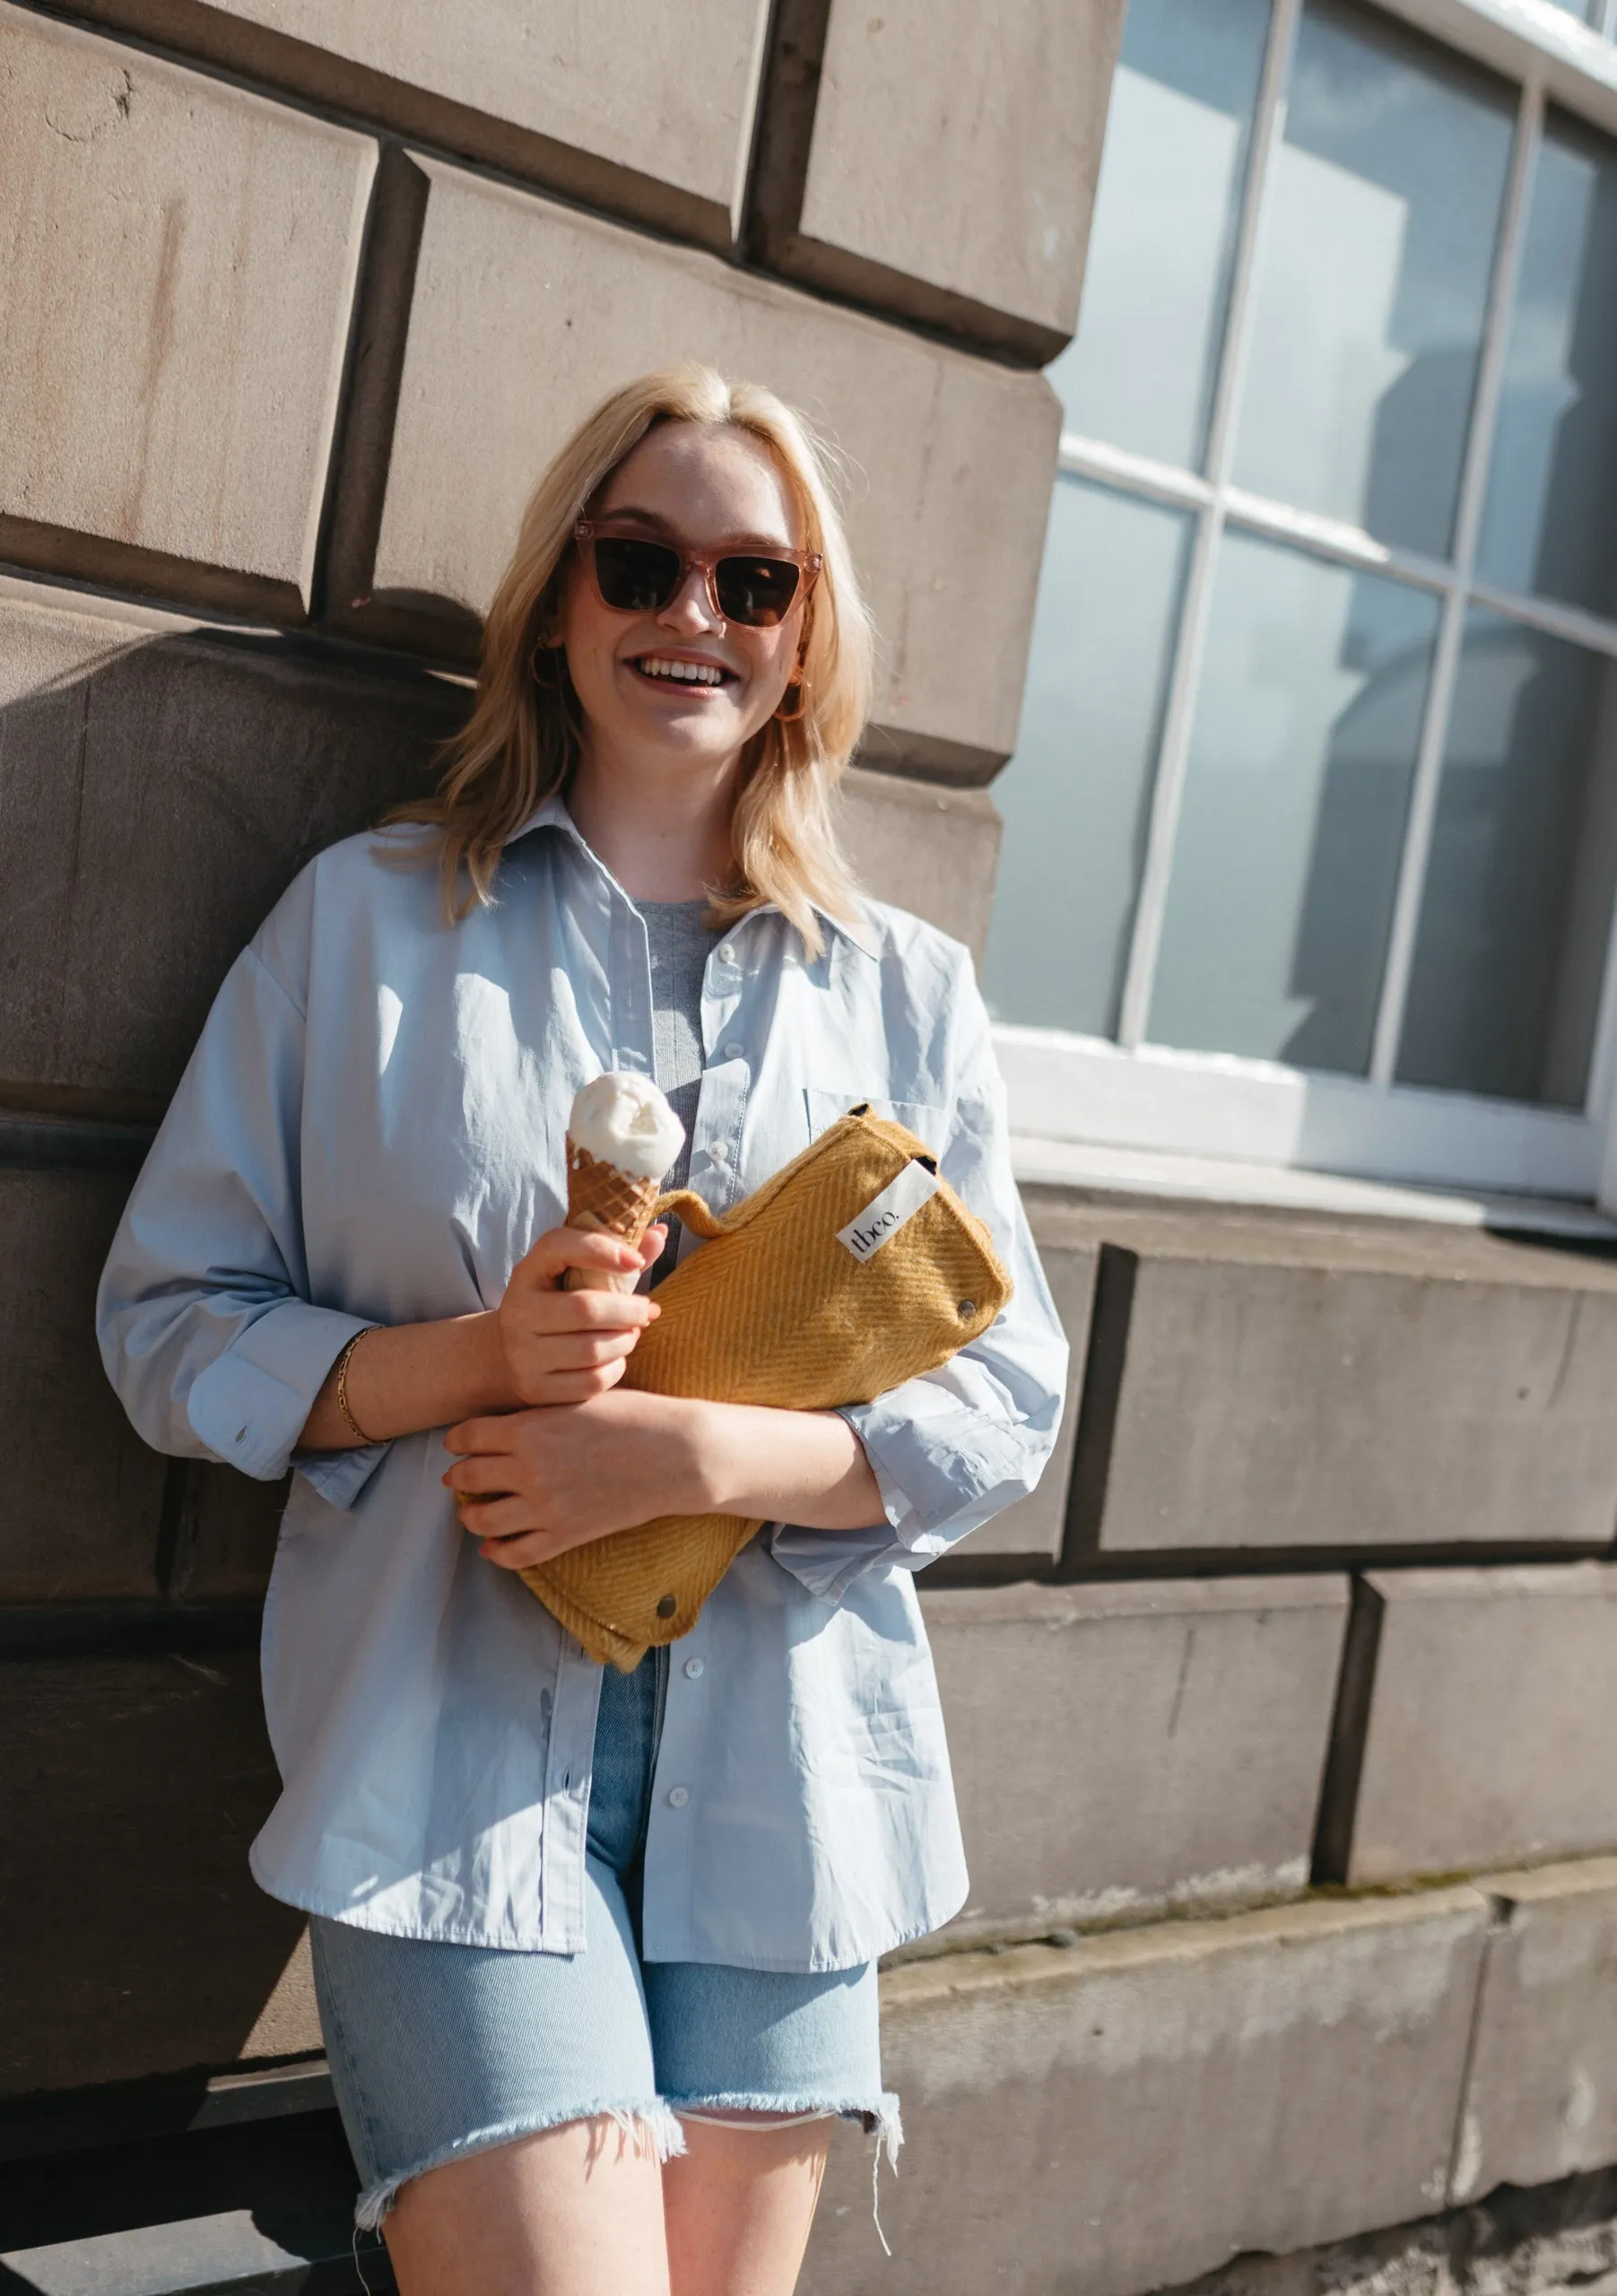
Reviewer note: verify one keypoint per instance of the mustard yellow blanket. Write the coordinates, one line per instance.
(855, 1269)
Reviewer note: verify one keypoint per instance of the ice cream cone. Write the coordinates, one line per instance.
(621, 1137)
(604, 1200)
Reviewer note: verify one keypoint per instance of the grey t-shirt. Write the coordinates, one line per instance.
(681, 944)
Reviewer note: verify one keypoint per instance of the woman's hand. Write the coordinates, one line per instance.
(563, 1347)
(541, 1345)
(530, 1484)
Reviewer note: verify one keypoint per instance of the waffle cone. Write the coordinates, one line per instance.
(603, 1199)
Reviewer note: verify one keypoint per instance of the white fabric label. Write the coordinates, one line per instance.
(882, 1219)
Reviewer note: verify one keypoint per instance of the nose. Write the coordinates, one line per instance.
(690, 609)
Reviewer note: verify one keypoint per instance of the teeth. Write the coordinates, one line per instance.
(657, 665)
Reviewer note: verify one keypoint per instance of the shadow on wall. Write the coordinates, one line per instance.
(157, 792)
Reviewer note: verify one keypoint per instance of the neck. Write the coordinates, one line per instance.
(663, 831)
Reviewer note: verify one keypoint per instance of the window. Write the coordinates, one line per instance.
(1311, 833)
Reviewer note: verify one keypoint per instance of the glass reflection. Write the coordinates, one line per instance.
(1140, 372)
(1510, 952)
(1297, 790)
(1380, 227)
(1076, 795)
(1549, 524)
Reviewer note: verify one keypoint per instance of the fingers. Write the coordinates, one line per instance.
(524, 1549)
(559, 1249)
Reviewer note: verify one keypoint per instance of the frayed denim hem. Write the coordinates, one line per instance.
(654, 2119)
(880, 2119)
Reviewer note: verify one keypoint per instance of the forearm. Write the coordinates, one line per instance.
(408, 1377)
(793, 1466)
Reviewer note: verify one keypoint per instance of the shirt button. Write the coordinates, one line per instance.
(732, 1052)
(726, 954)
(678, 1796)
(718, 1153)
(694, 1670)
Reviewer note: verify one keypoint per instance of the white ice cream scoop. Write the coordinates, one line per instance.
(622, 1119)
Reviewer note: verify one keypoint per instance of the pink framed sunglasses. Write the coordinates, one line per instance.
(758, 588)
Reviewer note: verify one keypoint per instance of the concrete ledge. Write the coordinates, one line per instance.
(1491, 1720)
(1541, 2102)
(1144, 2107)
(1342, 1384)
(1121, 1750)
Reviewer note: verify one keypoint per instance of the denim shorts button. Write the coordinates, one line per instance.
(678, 1796)
(732, 1052)
(718, 1153)
(693, 1670)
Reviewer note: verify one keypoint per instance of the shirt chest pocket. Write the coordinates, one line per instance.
(926, 1119)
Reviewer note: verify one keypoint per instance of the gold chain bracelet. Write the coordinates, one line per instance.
(343, 1402)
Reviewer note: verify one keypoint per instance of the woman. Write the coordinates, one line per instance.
(595, 1954)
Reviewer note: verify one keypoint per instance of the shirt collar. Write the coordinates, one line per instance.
(553, 815)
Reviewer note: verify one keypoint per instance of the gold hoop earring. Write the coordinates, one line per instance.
(791, 716)
(553, 683)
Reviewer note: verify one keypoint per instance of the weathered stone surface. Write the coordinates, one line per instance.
(1118, 1750)
(176, 277)
(956, 191)
(1491, 1720)
(1289, 1381)
(1144, 2107)
(1036, 1525)
(644, 111)
(926, 847)
(950, 458)
(1541, 2102)
(84, 1496)
(137, 1942)
(1557, 2240)
(159, 785)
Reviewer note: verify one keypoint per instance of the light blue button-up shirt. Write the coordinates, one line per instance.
(371, 1130)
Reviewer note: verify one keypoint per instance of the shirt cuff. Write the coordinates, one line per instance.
(935, 1487)
(250, 1407)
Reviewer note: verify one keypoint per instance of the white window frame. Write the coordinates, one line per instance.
(1131, 1094)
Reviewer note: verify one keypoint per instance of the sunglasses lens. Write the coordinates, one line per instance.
(635, 577)
(757, 591)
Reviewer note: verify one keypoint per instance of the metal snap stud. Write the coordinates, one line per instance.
(966, 1309)
(667, 1606)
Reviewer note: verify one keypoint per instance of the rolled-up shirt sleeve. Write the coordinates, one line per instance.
(206, 1325)
(954, 1447)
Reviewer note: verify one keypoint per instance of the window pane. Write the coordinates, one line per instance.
(1378, 234)
(1549, 522)
(1587, 12)
(1517, 905)
(1287, 859)
(1140, 372)
(1076, 795)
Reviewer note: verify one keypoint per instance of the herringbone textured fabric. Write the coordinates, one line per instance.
(776, 1310)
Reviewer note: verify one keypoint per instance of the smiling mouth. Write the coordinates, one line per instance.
(672, 669)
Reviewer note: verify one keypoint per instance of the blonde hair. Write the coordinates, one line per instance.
(522, 740)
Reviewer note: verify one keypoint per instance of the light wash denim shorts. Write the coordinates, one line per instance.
(440, 2051)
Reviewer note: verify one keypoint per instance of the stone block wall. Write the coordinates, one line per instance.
(1271, 1708)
